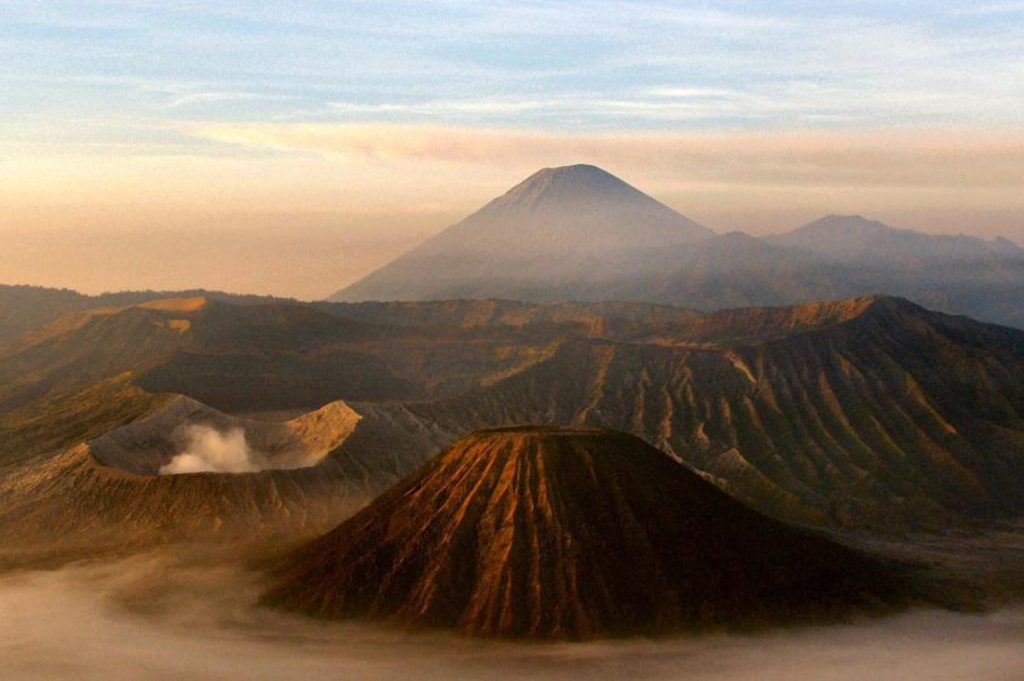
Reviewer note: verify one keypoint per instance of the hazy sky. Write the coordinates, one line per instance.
(357, 128)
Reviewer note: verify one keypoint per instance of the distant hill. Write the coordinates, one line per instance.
(278, 355)
(952, 273)
(728, 271)
(557, 533)
(268, 356)
(852, 239)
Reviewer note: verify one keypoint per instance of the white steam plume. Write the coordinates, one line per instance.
(208, 450)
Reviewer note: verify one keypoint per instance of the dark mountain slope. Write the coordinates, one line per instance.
(610, 318)
(281, 356)
(273, 356)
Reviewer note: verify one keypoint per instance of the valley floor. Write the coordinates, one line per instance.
(173, 615)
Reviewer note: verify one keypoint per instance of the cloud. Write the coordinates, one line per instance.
(596, 65)
(194, 98)
(988, 9)
(501, 107)
(948, 158)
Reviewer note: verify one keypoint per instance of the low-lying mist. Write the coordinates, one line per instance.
(157, 617)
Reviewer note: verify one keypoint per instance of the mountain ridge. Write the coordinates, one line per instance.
(854, 238)
(579, 233)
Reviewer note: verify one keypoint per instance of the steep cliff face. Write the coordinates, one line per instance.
(572, 533)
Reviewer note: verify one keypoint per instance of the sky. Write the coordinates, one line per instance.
(290, 147)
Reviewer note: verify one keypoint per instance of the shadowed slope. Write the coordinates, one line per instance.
(269, 356)
(568, 533)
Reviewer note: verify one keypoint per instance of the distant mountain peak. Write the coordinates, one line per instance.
(847, 223)
(583, 170)
(566, 185)
(568, 230)
(854, 239)
(1004, 245)
(581, 174)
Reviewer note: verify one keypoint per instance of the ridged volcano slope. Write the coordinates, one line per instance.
(564, 533)
(871, 413)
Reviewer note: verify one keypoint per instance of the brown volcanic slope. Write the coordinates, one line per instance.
(546, 532)
(869, 412)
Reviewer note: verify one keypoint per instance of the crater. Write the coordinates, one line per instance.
(187, 436)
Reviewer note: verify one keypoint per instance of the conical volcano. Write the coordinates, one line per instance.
(545, 533)
(561, 233)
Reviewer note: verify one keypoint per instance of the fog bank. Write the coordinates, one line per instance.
(150, 618)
